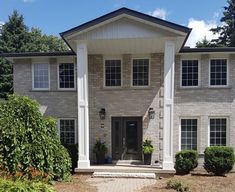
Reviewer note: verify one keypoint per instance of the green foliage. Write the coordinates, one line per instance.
(219, 159)
(100, 147)
(186, 161)
(206, 43)
(73, 152)
(24, 186)
(29, 140)
(147, 146)
(177, 185)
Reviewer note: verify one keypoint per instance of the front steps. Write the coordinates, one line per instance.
(124, 175)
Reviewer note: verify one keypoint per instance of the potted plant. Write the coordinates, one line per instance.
(147, 151)
(100, 149)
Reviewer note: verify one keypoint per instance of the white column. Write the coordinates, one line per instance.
(83, 116)
(169, 63)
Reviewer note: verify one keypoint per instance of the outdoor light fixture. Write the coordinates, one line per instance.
(102, 113)
(151, 113)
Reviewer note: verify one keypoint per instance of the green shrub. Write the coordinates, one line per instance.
(73, 152)
(186, 161)
(219, 159)
(24, 186)
(177, 185)
(147, 146)
(29, 140)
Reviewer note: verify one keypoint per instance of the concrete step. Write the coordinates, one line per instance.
(124, 175)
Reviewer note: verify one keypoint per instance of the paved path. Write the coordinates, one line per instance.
(120, 184)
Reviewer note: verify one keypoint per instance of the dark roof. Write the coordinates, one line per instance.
(33, 54)
(207, 49)
(131, 13)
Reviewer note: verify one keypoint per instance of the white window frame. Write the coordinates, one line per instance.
(218, 58)
(75, 124)
(41, 89)
(104, 71)
(149, 72)
(198, 130)
(199, 72)
(227, 128)
(58, 76)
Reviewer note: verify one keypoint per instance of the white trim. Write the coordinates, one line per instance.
(228, 63)
(58, 76)
(105, 58)
(32, 70)
(149, 72)
(75, 127)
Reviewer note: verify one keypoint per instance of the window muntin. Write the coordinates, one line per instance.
(190, 73)
(66, 76)
(189, 134)
(218, 72)
(40, 76)
(67, 131)
(113, 73)
(140, 76)
(218, 130)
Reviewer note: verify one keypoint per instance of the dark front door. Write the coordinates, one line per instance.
(126, 138)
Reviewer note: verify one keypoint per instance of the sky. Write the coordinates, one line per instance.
(55, 16)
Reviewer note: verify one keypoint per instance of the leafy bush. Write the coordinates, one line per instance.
(73, 152)
(100, 147)
(24, 186)
(29, 140)
(219, 159)
(177, 185)
(147, 146)
(186, 161)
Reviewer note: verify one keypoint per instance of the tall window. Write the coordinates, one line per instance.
(66, 76)
(189, 134)
(67, 131)
(140, 72)
(113, 73)
(189, 75)
(218, 131)
(41, 76)
(218, 72)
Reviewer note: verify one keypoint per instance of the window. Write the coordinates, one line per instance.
(218, 72)
(41, 76)
(189, 74)
(66, 76)
(218, 131)
(67, 131)
(112, 73)
(140, 72)
(189, 134)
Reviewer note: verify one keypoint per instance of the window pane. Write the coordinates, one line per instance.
(112, 72)
(41, 75)
(218, 72)
(218, 131)
(188, 134)
(67, 131)
(66, 75)
(189, 75)
(140, 72)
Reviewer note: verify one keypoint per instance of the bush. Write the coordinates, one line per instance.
(73, 152)
(30, 141)
(219, 159)
(186, 161)
(24, 186)
(177, 185)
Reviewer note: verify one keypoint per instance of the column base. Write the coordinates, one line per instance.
(168, 165)
(83, 164)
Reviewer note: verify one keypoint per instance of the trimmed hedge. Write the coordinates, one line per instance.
(219, 159)
(186, 161)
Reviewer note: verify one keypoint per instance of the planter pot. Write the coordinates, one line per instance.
(147, 159)
(100, 158)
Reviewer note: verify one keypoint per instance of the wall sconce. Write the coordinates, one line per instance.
(102, 113)
(151, 113)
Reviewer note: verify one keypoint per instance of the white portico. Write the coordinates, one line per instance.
(125, 32)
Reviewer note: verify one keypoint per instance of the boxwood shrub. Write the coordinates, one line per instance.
(219, 160)
(186, 161)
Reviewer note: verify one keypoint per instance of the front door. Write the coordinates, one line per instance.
(127, 138)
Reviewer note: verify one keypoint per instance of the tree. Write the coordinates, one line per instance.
(227, 30)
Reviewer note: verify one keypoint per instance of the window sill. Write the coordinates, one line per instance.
(53, 90)
(126, 88)
(204, 88)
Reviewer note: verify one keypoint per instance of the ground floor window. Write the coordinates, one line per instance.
(218, 131)
(67, 131)
(189, 134)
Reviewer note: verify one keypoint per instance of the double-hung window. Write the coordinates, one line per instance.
(113, 74)
(67, 131)
(218, 72)
(40, 76)
(140, 76)
(66, 76)
(189, 134)
(218, 129)
(189, 73)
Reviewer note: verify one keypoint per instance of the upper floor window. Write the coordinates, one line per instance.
(66, 76)
(67, 131)
(113, 73)
(140, 76)
(41, 76)
(218, 72)
(218, 131)
(190, 73)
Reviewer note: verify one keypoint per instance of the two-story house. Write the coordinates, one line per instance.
(129, 77)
